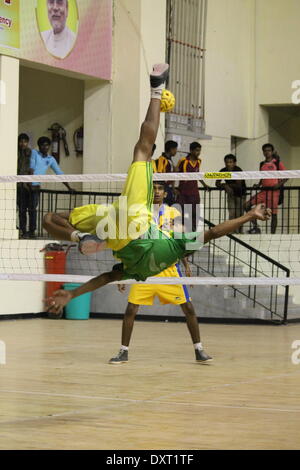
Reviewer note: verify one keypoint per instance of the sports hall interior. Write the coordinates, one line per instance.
(57, 389)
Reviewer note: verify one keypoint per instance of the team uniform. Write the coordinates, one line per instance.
(189, 191)
(143, 249)
(268, 196)
(167, 294)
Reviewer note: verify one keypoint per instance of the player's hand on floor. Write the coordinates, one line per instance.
(261, 212)
(58, 301)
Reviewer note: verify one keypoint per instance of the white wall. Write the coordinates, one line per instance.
(229, 65)
(277, 57)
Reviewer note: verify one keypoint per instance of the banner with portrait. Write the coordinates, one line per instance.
(10, 23)
(74, 35)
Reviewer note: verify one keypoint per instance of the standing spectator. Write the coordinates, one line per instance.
(235, 189)
(270, 193)
(164, 164)
(25, 193)
(188, 190)
(39, 163)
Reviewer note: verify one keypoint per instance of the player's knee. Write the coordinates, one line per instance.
(189, 310)
(47, 220)
(131, 310)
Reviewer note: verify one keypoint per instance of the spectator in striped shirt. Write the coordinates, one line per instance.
(188, 190)
(165, 164)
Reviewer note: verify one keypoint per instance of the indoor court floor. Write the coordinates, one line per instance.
(57, 390)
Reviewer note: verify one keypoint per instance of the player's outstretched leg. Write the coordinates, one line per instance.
(59, 227)
(150, 126)
(127, 327)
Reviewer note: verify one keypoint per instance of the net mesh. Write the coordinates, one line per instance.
(261, 269)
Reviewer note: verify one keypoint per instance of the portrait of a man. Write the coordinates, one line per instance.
(59, 40)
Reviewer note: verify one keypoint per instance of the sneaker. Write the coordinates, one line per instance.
(24, 235)
(159, 75)
(90, 244)
(120, 358)
(254, 230)
(202, 357)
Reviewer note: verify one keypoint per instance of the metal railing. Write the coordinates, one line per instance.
(216, 208)
(254, 264)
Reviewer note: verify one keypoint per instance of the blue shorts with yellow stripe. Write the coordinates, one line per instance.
(144, 294)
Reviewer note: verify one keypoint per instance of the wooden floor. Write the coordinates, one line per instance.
(57, 390)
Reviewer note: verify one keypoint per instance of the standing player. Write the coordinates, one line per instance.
(165, 217)
(144, 250)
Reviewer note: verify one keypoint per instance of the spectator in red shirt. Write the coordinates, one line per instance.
(270, 187)
(188, 190)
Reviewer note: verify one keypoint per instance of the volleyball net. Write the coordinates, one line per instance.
(262, 267)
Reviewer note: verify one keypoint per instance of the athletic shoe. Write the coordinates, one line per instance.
(121, 357)
(202, 357)
(25, 235)
(159, 75)
(90, 244)
(254, 230)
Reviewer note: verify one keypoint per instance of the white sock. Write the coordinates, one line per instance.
(157, 92)
(124, 348)
(77, 236)
(198, 346)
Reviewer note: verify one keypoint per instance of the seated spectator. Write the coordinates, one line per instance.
(25, 194)
(235, 189)
(270, 194)
(39, 163)
(164, 164)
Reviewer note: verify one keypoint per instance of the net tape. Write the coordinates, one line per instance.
(114, 177)
(211, 281)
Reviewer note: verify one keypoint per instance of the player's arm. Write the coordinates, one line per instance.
(60, 298)
(187, 267)
(229, 226)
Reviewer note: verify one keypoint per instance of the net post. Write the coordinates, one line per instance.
(286, 300)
